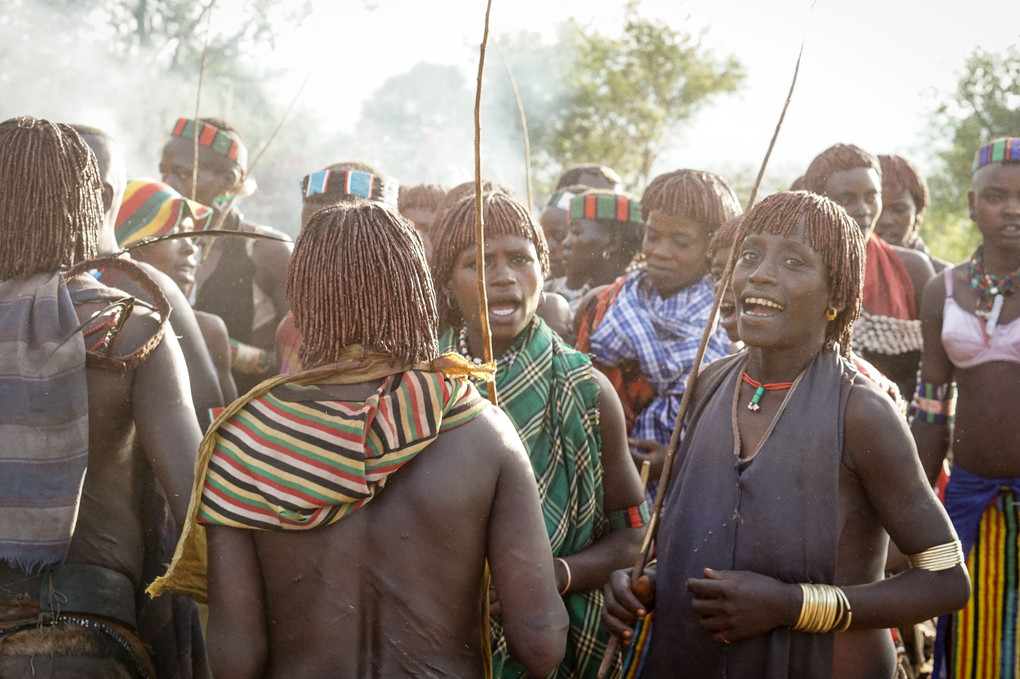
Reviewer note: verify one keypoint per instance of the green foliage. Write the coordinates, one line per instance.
(984, 107)
(629, 92)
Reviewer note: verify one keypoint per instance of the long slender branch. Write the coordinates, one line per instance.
(483, 300)
(667, 468)
(524, 123)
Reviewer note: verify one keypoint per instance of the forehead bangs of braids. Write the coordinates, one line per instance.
(835, 159)
(829, 231)
(504, 215)
(899, 174)
(51, 201)
(381, 297)
(704, 197)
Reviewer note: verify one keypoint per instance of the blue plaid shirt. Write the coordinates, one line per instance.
(662, 335)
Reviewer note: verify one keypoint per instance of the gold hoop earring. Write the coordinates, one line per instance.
(831, 313)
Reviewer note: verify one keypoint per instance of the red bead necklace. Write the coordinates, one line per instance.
(760, 389)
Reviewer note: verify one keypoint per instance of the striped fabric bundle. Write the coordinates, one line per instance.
(296, 458)
(43, 420)
(151, 208)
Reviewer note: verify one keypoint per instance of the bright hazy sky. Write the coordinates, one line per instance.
(871, 72)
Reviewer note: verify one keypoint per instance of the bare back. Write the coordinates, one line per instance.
(108, 531)
(394, 589)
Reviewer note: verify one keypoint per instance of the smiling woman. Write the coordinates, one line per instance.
(567, 414)
(791, 413)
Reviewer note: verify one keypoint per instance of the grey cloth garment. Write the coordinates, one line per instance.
(776, 514)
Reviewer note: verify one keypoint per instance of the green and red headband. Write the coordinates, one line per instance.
(213, 138)
(999, 151)
(615, 208)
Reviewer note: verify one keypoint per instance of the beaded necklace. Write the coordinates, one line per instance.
(463, 348)
(991, 290)
(760, 389)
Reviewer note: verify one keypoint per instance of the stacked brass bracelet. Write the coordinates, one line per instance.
(824, 609)
(939, 558)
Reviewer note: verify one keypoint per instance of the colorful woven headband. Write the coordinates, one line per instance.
(999, 151)
(615, 208)
(351, 183)
(150, 208)
(212, 137)
(561, 200)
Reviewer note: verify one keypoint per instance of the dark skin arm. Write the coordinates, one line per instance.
(165, 420)
(932, 440)
(237, 637)
(271, 259)
(591, 567)
(533, 616)
(918, 268)
(738, 604)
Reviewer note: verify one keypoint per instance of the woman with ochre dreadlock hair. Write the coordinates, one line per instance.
(567, 414)
(755, 576)
(888, 332)
(339, 300)
(905, 198)
(51, 201)
(643, 330)
(840, 248)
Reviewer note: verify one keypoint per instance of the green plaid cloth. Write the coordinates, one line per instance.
(548, 391)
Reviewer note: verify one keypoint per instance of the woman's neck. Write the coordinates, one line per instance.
(779, 365)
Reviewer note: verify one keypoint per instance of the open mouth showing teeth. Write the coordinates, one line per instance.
(503, 310)
(759, 306)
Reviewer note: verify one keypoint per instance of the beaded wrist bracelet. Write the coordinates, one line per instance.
(933, 403)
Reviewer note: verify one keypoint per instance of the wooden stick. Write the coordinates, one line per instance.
(524, 124)
(692, 378)
(483, 300)
(198, 99)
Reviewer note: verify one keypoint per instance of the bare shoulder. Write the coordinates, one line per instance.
(494, 434)
(874, 430)
(917, 264)
(555, 311)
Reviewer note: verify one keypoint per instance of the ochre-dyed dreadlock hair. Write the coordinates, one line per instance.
(383, 298)
(829, 231)
(461, 191)
(835, 159)
(51, 201)
(704, 197)
(427, 196)
(724, 236)
(899, 174)
(504, 215)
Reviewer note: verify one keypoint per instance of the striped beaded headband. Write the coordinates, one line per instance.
(213, 138)
(561, 199)
(999, 151)
(351, 183)
(614, 208)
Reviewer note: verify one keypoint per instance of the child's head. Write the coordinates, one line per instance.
(994, 198)
(682, 210)
(719, 250)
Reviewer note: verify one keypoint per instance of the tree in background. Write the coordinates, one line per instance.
(630, 92)
(131, 67)
(985, 106)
